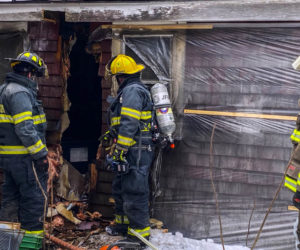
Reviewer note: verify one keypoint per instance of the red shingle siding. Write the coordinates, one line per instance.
(51, 81)
(44, 38)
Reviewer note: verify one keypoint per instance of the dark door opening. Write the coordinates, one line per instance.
(80, 140)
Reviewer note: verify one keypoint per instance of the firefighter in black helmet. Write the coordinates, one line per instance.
(130, 117)
(23, 144)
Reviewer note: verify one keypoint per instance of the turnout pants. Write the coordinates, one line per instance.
(131, 190)
(22, 199)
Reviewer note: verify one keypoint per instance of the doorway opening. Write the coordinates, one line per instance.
(80, 140)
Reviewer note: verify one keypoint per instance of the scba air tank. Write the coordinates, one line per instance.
(163, 110)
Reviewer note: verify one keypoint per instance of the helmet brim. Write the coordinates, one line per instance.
(139, 68)
(11, 60)
(40, 71)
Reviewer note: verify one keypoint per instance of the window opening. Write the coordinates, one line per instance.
(153, 51)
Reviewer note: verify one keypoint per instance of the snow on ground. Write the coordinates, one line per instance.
(168, 241)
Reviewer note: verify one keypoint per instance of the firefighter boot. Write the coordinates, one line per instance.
(296, 199)
(144, 232)
(120, 227)
(117, 229)
(131, 238)
(132, 242)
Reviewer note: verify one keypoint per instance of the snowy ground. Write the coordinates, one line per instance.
(163, 241)
(168, 241)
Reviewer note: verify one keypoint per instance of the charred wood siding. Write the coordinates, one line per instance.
(242, 70)
(44, 38)
(106, 85)
(100, 198)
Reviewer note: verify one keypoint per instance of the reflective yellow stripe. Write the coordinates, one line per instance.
(36, 147)
(126, 220)
(122, 140)
(37, 119)
(13, 150)
(18, 118)
(290, 184)
(6, 119)
(295, 136)
(2, 109)
(118, 219)
(37, 233)
(131, 112)
(146, 115)
(121, 219)
(115, 121)
(143, 232)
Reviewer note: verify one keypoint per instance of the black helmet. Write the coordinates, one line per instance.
(28, 62)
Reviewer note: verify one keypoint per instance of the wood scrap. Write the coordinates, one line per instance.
(51, 212)
(156, 223)
(58, 221)
(81, 216)
(293, 208)
(96, 215)
(93, 176)
(99, 152)
(67, 214)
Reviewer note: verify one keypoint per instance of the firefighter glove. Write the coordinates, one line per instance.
(107, 138)
(296, 199)
(41, 164)
(117, 162)
(119, 155)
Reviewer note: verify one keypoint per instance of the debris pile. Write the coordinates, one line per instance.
(73, 223)
(69, 223)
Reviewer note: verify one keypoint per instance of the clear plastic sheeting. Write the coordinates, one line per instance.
(159, 59)
(239, 71)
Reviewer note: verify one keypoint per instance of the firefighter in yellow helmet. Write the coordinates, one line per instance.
(23, 144)
(130, 117)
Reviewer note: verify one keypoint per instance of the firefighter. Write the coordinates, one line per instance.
(130, 116)
(22, 144)
(292, 177)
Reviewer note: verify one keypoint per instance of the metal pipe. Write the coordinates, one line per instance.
(62, 243)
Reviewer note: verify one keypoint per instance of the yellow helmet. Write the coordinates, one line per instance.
(123, 64)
